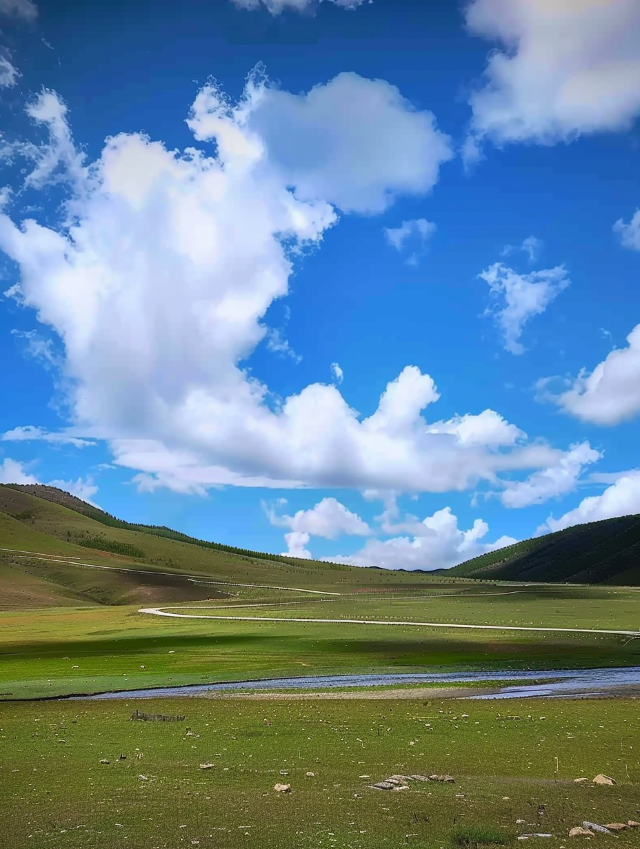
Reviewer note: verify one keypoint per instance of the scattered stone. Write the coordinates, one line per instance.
(282, 788)
(603, 779)
(62, 741)
(593, 826)
(539, 834)
(365, 776)
(284, 772)
(579, 831)
(418, 778)
(616, 826)
(207, 766)
(398, 778)
(143, 778)
(384, 785)
(579, 780)
(520, 822)
(104, 761)
(311, 775)
(633, 824)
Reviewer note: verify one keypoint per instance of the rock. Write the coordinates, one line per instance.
(383, 785)
(448, 779)
(207, 766)
(593, 826)
(603, 779)
(520, 822)
(104, 761)
(616, 826)
(418, 778)
(579, 780)
(311, 775)
(282, 788)
(143, 778)
(579, 831)
(284, 772)
(402, 778)
(633, 824)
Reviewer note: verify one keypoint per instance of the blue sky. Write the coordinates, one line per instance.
(355, 280)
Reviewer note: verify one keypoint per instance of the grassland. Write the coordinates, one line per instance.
(506, 769)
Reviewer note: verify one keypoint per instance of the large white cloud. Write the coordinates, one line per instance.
(620, 499)
(435, 543)
(563, 68)
(159, 284)
(328, 519)
(610, 394)
(519, 297)
(278, 6)
(559, 479)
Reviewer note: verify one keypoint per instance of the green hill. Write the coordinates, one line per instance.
(152, 564)
(606, 552)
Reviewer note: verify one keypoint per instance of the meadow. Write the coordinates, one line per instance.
(514, 765)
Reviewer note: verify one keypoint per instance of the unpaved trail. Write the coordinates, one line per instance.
(162, 611)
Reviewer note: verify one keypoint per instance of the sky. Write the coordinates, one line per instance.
(342, 279)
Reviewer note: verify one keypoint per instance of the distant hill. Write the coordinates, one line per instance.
(606, 552)
(152, 564)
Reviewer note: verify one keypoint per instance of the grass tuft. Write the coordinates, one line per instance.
(474, 836)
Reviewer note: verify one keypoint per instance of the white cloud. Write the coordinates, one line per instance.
(83, 488)
(12, 471)
(488, 429)
(563, 69)
(531, 246)
(338, 374)
(418, 231)
(9, 74)
(557, 480)
(30, 433)
(279, 345)
(296, 543)
(610, 394)
(435, 543)
(278, 6)
(328, 519)
(620, 499)
(522, 296)
(159, 284)
(25, 9)
(629, 233)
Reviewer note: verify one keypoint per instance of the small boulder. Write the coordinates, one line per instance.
(418, 778)
(593, 826)
(604, 780)
(616, 826)
(579, 780)
(207, 766)
(311, 775)
(579, 831)
(282, 788)
(383, 785)
(633, 824)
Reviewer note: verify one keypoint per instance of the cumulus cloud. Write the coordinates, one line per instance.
(278, 6)
(620, 499)
(12, 471)
(328, 519)
(9, 74)
(296, 545)
(25, 9)
(519, 297)
(557, 480)
(158, 284)
(561, 69)
(29, 433)
(629, 233)
(416, 232)
(435, 543)
(608, 395)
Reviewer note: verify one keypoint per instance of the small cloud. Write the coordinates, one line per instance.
(25, 9)
(9, 74)
(12, 471)
(338, 374)
(417, 231)
(29, 433)
(531, 246)
(629, 233)
(277, 344)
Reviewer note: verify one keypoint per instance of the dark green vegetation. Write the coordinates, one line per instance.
(606, 552)
(511, 761)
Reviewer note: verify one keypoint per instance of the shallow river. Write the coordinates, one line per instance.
(557, 683)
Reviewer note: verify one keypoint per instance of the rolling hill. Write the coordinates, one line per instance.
(138, 563)
(605, 552)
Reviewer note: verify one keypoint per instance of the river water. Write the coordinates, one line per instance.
(549, 684)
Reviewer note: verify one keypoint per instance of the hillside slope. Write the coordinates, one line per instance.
(79, 532)
(605, 552)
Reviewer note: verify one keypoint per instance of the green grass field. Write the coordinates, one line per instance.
(56, 792)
